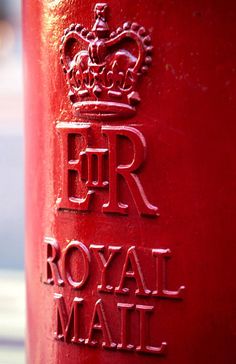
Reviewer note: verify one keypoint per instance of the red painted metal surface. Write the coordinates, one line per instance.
(130, 181)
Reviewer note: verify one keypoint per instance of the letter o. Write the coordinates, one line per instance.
(75, 245)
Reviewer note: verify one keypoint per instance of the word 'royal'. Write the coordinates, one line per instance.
(59, 270)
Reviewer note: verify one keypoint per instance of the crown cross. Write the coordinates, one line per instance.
(102, 79)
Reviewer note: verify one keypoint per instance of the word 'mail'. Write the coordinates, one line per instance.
(70, 326)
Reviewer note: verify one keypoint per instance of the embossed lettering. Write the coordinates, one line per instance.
(66, 267)
(84, 169)
(126, 171)
(52, 274)
(143, 346)
(99, 322)
(95, 156)
(67, 327)
(161, 257)
(104, 264)
(125, 326)
(70, 166)
(132, 270)
(72, 324)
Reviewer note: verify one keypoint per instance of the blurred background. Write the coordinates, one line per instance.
(12, 311)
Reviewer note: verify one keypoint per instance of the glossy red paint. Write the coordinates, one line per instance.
(130, 204)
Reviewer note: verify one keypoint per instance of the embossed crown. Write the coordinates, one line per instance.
(102, 79)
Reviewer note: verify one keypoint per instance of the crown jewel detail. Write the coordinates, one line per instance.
(102, 79)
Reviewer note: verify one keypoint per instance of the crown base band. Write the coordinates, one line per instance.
(100, 110)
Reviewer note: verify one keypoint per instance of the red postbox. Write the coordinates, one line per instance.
(130, 181)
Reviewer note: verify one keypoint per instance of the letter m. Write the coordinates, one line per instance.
(67, 326)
